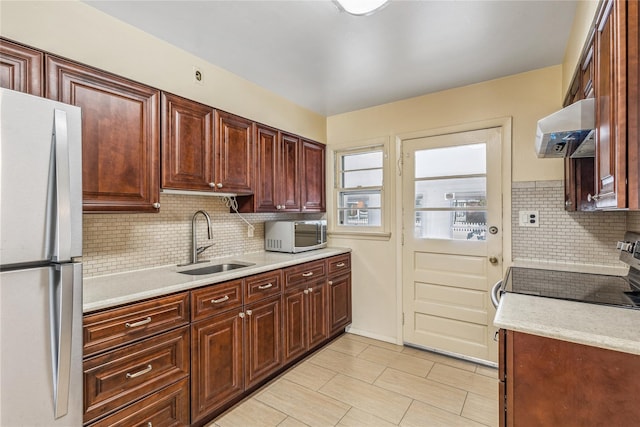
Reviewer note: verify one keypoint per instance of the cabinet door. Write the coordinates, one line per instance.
(317, 314)
(234, 154)
(295, 324)
(120, 136)
(339, 303)
(633, 104)
(312, 174)
(216, 362)
(558, 383)
(21, 68)
(187, 144)
(263, 340)
(268, 175)
(290, 171)
(610, 92)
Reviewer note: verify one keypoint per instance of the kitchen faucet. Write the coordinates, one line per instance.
(195, 249)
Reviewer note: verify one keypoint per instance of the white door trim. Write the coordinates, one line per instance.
(505, 123)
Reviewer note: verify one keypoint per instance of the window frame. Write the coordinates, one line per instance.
(366, 231)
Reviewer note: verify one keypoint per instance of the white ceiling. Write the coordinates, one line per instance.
(330, 62)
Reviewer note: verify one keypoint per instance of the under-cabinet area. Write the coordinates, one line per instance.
(196, 352)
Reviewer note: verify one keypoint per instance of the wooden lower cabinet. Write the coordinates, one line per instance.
(167, 408)
(263, 340)
(550, 382)
(339, 290)
(305, 317)
(117, 378)
(216, 362)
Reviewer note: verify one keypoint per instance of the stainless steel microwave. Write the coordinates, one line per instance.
(295, 236)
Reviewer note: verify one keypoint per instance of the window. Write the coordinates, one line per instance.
(359, 189)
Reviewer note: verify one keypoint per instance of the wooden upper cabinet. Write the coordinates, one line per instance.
(633, 105)
(187, 144)
(277, 171)
(21, 68)
(611, 102)
(290, 179)
(312, 177)
(120, 136)
(234, 165)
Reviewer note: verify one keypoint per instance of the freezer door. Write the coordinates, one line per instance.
(41, 341)
(40, 180)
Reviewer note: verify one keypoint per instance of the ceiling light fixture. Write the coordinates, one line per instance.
(361, 7)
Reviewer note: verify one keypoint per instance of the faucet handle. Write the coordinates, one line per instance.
(203, 248)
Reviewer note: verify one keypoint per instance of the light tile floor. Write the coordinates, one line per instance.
(357, 381)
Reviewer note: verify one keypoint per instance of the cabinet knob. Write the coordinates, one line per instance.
(568, 203)
(306, 291)
(212, 184)
(156, 205)
(310, 290)
(330, 282)
(593, 198)
(241, 315)
(249, 312)
(219, 185)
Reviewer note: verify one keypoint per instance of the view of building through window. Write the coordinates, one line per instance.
(360, 186)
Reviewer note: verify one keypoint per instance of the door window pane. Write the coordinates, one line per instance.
(453, 225)
(451, 161)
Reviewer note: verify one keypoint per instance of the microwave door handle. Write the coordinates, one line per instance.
(62, 214)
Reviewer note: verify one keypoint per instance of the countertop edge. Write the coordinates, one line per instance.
(108, 291)
(595, 325)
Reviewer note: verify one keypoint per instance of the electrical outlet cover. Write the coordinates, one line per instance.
(529, 219)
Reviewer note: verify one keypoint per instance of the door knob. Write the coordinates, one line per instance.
(493, 260)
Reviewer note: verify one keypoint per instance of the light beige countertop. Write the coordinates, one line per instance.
(613, 328)
(107, 291)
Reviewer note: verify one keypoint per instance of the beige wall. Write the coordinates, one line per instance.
(585, 12)
(76, 31)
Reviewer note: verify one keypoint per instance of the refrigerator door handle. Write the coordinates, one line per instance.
(61, 301)
(62, 239)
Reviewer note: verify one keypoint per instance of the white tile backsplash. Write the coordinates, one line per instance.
(565, 237)
(122, 242)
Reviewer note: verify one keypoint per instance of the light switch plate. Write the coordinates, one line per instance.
(529, 219)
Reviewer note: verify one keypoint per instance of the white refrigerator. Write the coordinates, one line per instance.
(40, 264)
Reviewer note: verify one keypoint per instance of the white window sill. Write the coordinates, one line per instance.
(360, 235)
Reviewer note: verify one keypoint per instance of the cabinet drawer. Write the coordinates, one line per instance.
(216, 299)
(339, 264)
(262, 285)
(108, 329)
(169, 407)
(119, 377)
(305, 272)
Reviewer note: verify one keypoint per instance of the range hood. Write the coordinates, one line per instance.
(564, 132)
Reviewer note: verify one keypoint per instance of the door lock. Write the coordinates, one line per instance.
(493, 260)
(493, 229)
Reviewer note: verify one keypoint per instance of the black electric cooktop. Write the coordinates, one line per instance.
(583, 287)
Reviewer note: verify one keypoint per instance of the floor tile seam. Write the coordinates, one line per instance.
(374, 385)
(323, 384)
(422, 401)
(466, 390)
(406, 411)
(345, 414)
(293, 418)
(465, 372)
(467, 418)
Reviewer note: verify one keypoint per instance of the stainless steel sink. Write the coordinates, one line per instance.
(217, 268)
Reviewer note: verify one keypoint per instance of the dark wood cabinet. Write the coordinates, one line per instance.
(611, 101)
(277, 170)
(263, 340)
(549, 382)
(216, 362)
(234, 153)
(21, 68)
(187, 144)
(579, 184)
(339, 293)
(312, 174)
(120, 136)
(168, 407)
(305, 308)
(117, 378)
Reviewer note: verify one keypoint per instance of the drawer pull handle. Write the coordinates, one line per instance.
(137, 374)
(140, 323)
(309, 274)
(267, 286)
(340, 264)
(219, 300)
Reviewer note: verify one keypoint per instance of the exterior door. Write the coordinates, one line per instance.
(452, 226)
